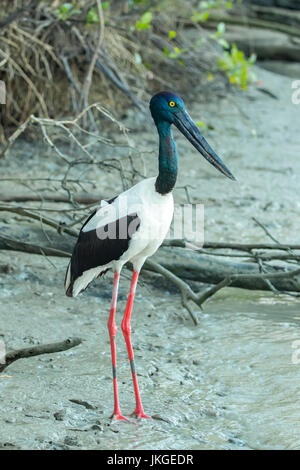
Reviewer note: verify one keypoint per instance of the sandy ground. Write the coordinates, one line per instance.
(228, 383)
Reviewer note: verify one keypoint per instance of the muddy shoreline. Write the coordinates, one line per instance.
(228, 383)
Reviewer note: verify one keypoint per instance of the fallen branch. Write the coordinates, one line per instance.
(254, 22)
(81, 198)
(50, 348)
(199, 298)
(206, 269)
(7, 243)
(184, 264)
(185, 290)
(42, 219)
(248, 247)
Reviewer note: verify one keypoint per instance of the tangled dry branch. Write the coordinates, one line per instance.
(48, 61)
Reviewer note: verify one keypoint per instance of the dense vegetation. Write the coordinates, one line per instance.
(50, 50)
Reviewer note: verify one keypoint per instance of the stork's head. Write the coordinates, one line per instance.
(169, 108)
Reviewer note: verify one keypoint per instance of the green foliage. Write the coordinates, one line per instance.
(145, 21)
(233, 61)
(175, 53)
(67, 10)
(237, 67)
(92, 15)
(135, 2)
(204, 126)
(218, 36)
(200, 16)
(212, 4)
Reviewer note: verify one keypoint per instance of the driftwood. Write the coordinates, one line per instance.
(184, 263)
(282, 4)
(203, 268)
(272, 33)
(7, 243)
(181, 265)
(275, 15)
(234, 246)
(266, 44)
(254, 22)
(50, 348)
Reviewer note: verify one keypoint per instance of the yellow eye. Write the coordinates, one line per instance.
(172, 104)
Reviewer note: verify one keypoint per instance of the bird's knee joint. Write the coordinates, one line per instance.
(126, 328)
(112, 328)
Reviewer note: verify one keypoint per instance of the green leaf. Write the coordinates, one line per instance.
(92, 16)
(237, 67)
(200, 17)
(66, 7)
(146, 18)
(145, 21)
(174, 54)
(140, 25)
(66, 10)
(172, 34)
(223, 43)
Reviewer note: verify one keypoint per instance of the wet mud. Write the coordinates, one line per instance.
(232, 382)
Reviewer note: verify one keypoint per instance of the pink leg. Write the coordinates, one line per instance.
(112, 328)
(126, 328)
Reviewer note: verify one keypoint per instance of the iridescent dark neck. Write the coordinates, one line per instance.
(167, 158)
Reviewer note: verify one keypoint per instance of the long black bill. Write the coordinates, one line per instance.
(185, 124)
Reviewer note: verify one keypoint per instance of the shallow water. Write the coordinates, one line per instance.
(232, 382)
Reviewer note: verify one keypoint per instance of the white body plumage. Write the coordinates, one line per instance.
(154, 213)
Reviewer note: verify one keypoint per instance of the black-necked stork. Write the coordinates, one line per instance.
(131, 226)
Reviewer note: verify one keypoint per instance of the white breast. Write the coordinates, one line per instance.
(156, 213)
(154, 210)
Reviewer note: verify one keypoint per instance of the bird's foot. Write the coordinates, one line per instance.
(118, 417)
(139, 413)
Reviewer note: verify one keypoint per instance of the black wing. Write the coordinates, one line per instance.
(91, 251)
